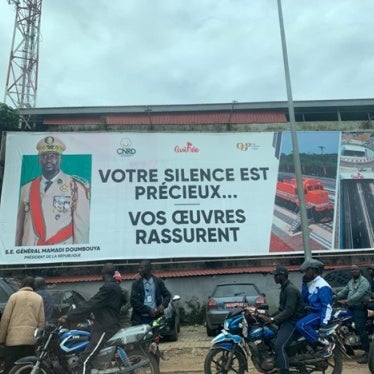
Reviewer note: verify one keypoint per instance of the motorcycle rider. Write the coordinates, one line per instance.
(318, 296)
(291, 309)
(106, 306)
(355, 295)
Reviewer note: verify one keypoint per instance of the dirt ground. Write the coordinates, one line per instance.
(187, 355)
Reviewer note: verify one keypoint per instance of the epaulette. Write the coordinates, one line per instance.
(84, 183)
(81, 180)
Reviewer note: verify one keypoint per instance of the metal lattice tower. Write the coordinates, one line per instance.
(22, 77)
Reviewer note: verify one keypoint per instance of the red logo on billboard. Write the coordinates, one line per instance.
(188, 148)
(357, 176)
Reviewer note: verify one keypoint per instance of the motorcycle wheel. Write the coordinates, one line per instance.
(334, 363)
(217, 358)
(136, 356)
(371, 358)
(26, 368)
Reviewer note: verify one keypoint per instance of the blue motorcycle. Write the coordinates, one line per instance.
(58, 351)
(245, 335)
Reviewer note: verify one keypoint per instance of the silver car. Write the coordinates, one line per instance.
(226, 297)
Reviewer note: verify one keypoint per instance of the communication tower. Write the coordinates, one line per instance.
(22, 77)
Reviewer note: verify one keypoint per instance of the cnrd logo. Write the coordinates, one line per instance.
(125, 149)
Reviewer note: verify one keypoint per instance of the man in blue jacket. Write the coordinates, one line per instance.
(317, 295)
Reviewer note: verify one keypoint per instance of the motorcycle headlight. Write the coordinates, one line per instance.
(38, 334)
(148, 336)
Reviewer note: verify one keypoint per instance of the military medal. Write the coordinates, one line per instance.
(64, 188)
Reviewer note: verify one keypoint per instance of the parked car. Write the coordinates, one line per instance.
(64, 299)
(226, 297)
(7, 287)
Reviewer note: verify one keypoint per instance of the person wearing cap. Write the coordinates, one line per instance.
(290, 310)
(54, 207)
(356, 295)
(317, 295)
(106, 307)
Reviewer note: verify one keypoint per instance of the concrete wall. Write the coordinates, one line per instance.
(199, 288)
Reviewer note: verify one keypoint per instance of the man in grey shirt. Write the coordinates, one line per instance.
(355, 296)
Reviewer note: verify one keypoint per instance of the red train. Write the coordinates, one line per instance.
(317, 203)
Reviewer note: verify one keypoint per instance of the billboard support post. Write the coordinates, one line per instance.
(296, 156)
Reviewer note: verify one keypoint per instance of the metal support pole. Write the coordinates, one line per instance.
(296, 156)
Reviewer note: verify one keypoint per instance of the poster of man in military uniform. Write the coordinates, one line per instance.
(54, 207)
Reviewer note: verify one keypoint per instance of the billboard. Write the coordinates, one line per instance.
(69, 197)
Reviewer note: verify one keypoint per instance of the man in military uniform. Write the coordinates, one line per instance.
(54, 207)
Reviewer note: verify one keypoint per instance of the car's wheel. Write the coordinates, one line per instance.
(371, 358)
(210, 332)
(174, 336)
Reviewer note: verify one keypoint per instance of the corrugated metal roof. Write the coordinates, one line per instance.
(164, 274)
(71, 121)
(170, 118)
(180, 273)
(197, 118)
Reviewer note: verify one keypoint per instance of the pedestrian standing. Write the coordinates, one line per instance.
(23, 313)
(149, 296)
(40, 289)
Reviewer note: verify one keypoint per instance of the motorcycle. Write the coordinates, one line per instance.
(371, 351)
(164, 326)
(347, 331)
(58, 351)
(245, 335)
(170, 324)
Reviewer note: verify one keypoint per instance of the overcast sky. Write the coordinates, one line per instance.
(143, 52)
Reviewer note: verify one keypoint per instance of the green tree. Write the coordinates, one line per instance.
(9, 118)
